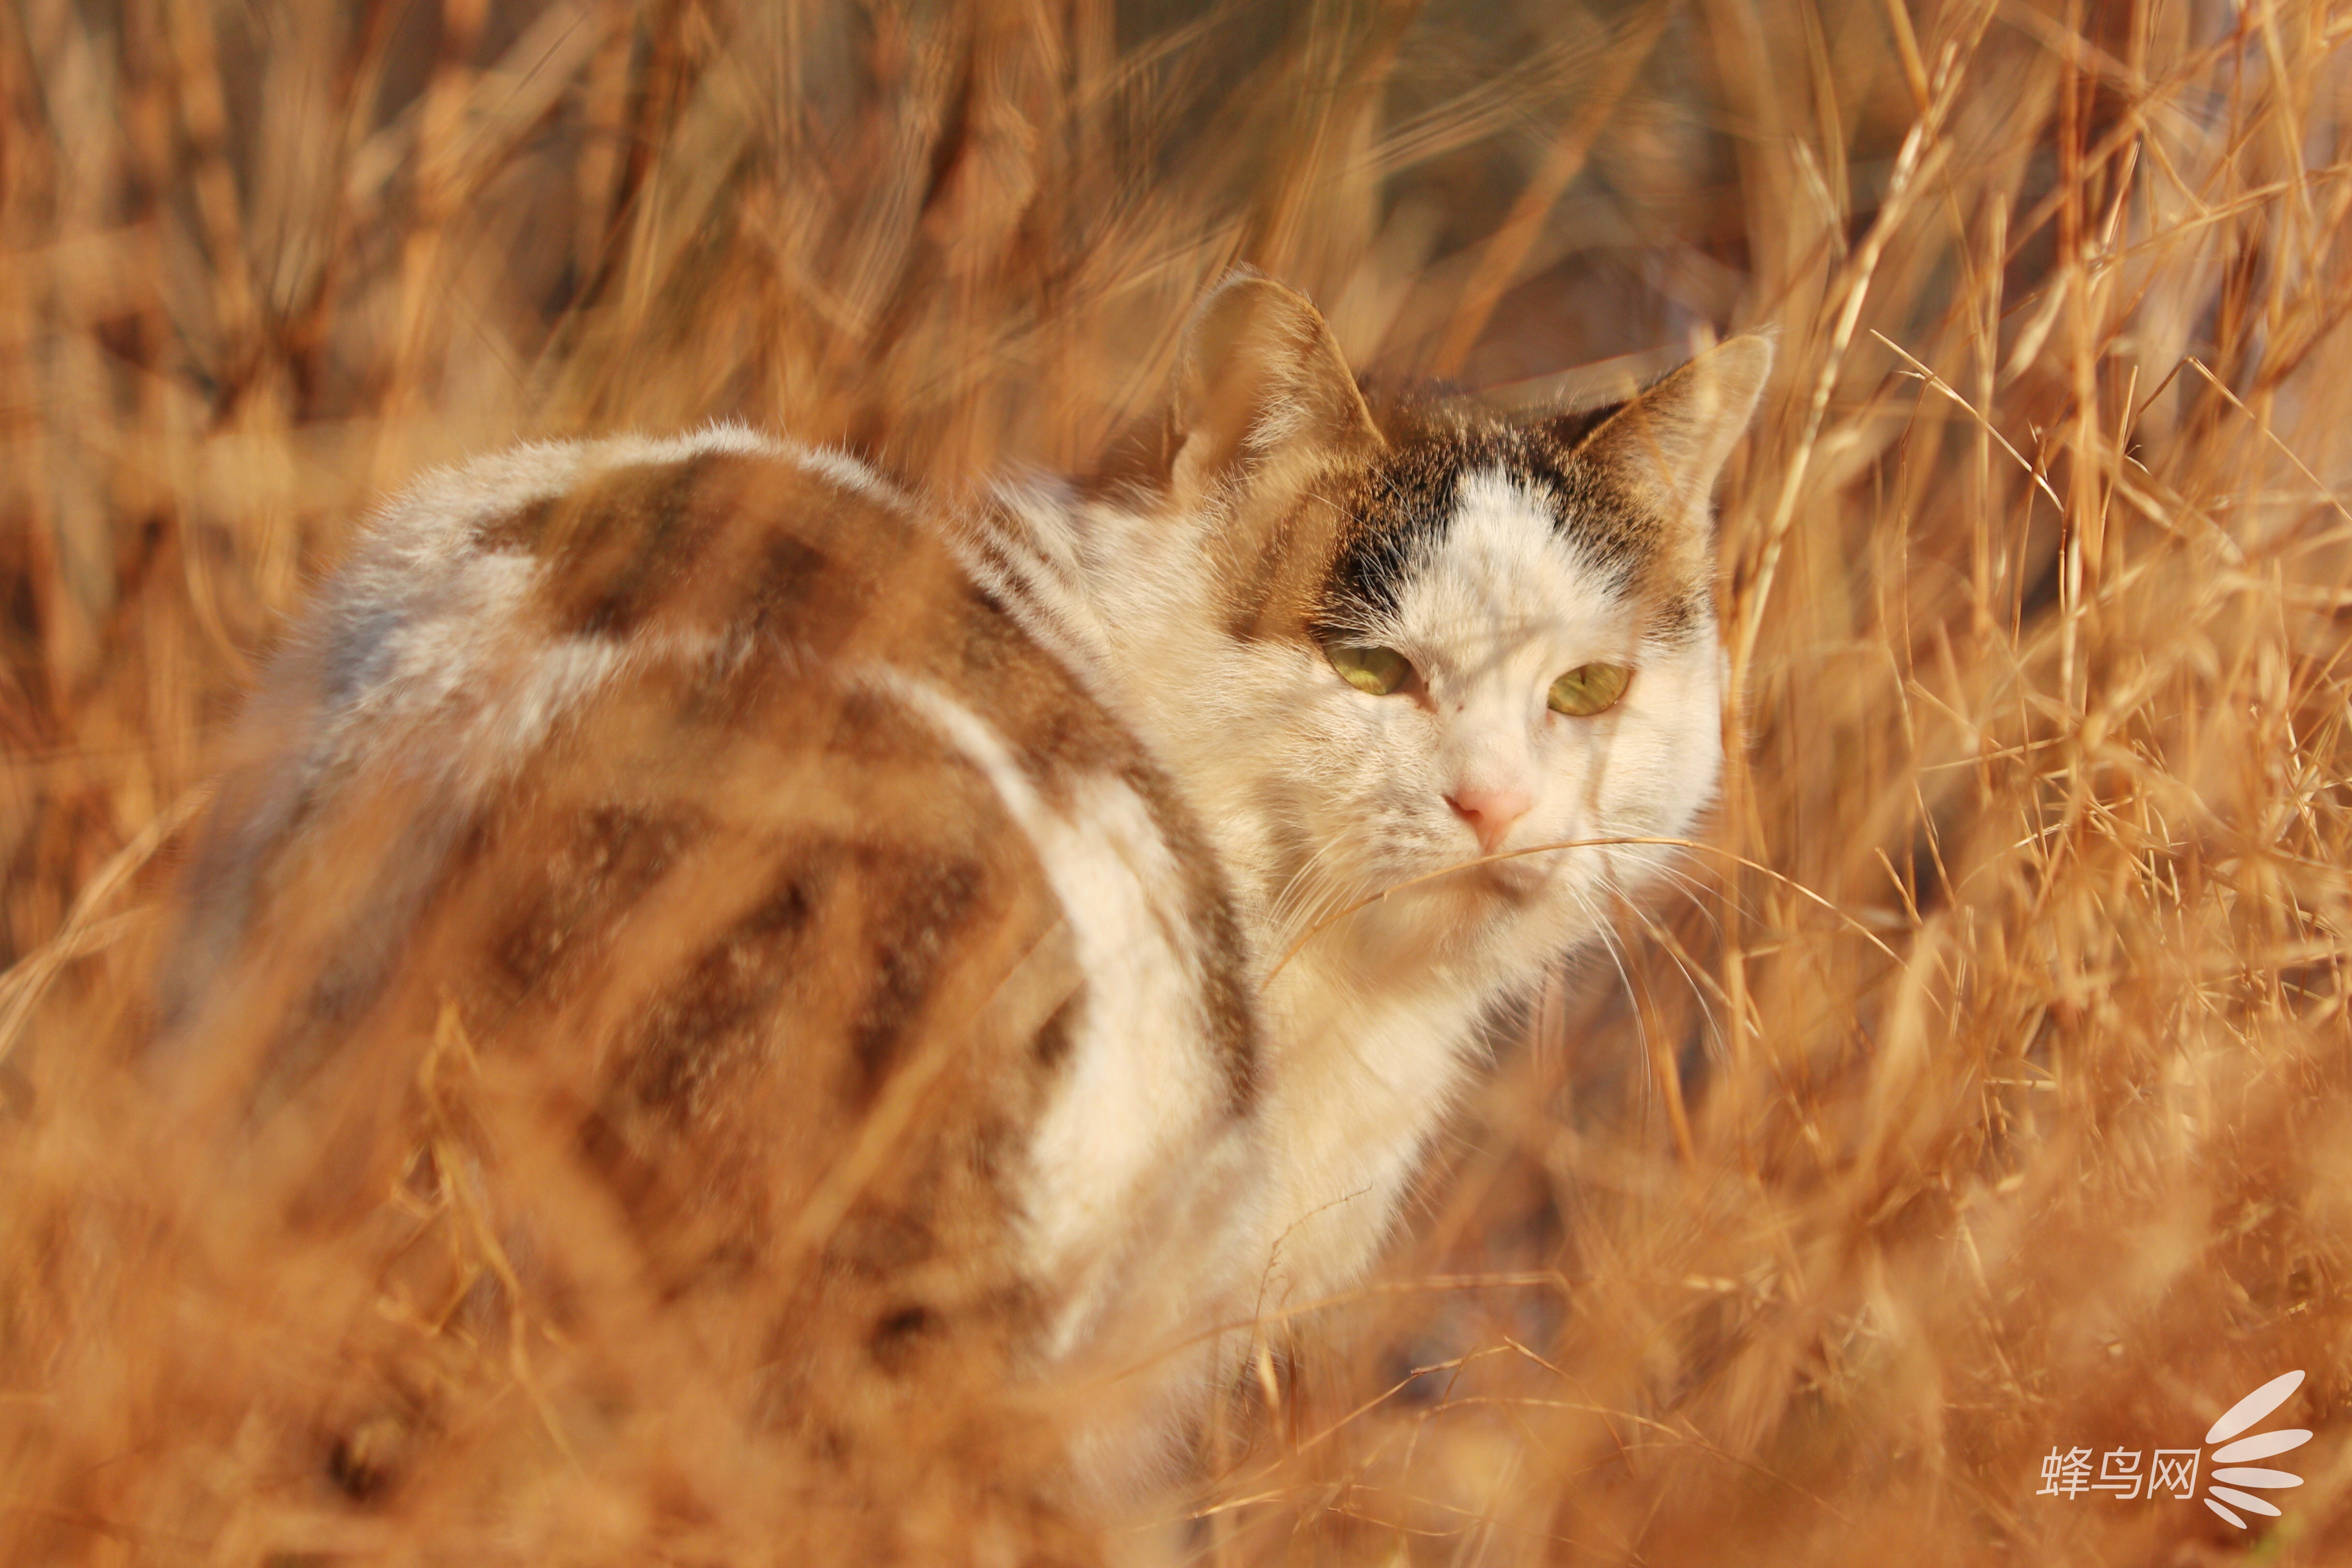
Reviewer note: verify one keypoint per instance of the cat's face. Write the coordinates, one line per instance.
(1507, 640)
(1531, 687)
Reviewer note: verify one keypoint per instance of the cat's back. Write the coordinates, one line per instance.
(837, 979)
(715, 635)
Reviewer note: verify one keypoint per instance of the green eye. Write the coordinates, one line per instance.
(1379, 670)
(1589, 688)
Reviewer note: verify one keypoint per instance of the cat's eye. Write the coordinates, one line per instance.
(1379, 670)
(1589, 689)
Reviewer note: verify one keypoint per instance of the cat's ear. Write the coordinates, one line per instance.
(1667, 446)
(1261, 391)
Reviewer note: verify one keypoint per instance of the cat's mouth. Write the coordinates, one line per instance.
(1516, 879)
(1470, 889)
(1458, 872)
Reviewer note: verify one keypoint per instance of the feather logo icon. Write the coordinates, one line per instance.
(2228, 1471)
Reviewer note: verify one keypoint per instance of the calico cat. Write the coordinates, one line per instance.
(899, 972)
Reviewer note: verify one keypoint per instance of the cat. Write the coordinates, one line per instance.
(1390, 651)
(901, 971)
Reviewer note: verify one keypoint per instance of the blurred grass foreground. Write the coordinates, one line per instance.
(1989, 1095)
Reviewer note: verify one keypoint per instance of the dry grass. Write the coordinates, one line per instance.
(1991, 1092)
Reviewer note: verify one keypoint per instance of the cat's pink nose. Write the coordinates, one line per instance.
(1491, 813)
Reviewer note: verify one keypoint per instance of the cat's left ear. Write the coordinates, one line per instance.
(1262, 394)
(1667, 446)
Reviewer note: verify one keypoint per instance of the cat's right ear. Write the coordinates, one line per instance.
(1261, 395)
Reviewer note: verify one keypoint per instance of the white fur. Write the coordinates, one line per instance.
(1319, 795)
(1141, 1095)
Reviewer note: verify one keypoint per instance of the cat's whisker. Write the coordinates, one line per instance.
(1608, 941)
(1306, 893)
(1703, 896)
(1701, 987)
(1791, 882)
